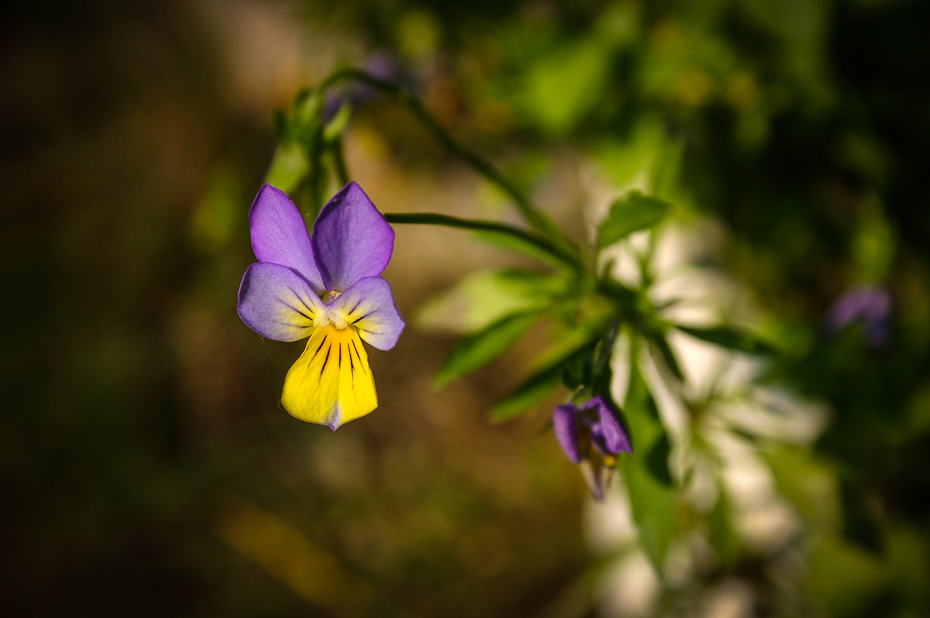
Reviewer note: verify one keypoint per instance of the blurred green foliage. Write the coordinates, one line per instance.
(147, 472)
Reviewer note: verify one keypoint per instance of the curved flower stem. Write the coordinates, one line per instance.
(315, 179)
(539, 242)
(530, 212)
(339, 162)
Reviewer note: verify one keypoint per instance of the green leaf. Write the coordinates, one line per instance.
(729, 337)
(631, 213)
(560, 88)
(518, 245)
(722, 532)
(484, 346)
(337, 125)
(483, 298)
(861, 521)
(288, 167)
(547, 375)
(653, 500)
(279, 123)
(665, 356)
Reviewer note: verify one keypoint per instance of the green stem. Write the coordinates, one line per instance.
(539, 242)
(315, 173)
(339, 162)
(533, 215)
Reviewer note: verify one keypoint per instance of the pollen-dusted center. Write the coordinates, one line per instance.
(330, 296)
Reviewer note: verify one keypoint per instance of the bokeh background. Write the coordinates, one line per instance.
(149, 470)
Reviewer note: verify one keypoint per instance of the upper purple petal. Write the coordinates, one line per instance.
(277, 303)
(369, 306)
(613, 438)
(351, 239)
(566, 432)
(279, 235)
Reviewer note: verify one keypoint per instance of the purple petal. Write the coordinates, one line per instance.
(612, 436)
(277, 303)
(351, 239)
(279, 235)
(369, 306)
(563, 424)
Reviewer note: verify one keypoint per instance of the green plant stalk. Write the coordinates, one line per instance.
(339, 162)
(540, 242)
(536, 218)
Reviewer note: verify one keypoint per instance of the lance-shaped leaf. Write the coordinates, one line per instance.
(652, 495)
(481, 299)
(548, 253)
(546, 376)
(721, 528)
(665, 356)
(633, 212)
(484, 346)
(729, 337)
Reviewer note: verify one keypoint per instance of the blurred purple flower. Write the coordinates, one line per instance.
(382, 65)
(869, 305)
(591, 436)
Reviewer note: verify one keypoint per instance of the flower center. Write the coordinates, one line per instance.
(329, 315)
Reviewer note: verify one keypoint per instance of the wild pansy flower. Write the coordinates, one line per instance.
(326, 287)
(591, 436)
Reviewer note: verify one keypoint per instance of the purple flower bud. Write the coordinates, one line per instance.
(382, 65)
(592, 424)
(869, 305)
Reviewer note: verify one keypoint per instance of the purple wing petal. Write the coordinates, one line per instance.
(279, 235)
(351, 239)
(277, 303)
(614, 436)
(369, 306)
(563, 424)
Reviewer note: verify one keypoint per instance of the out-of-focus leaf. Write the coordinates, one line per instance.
(279, 123)
(517, 245)
(652, 494)
(722, 533)
(482, 299)
(809, 483)
(288, 167)
(219, 210)
(860, 521)
(560, 89)
(337, 125)
(484, 346)
(729, 337)
(530, 392)
(546, 375)
(656, 459)
(631, 213)
(665, 356)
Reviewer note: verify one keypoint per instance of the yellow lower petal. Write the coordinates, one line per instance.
(331, 383)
